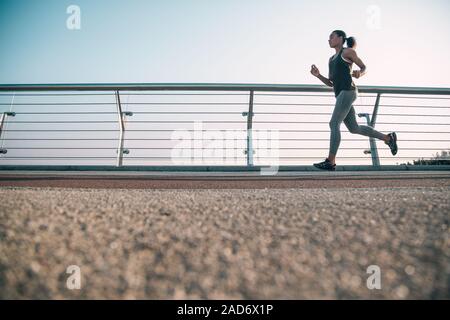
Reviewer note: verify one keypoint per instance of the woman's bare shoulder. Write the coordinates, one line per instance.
(349, 52)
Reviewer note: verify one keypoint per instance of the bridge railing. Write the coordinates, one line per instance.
(214, 124)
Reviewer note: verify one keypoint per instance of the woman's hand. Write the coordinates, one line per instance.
(356, 74)
(314, 71)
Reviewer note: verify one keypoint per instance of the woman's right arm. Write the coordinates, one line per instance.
(327, 81)
(315, 72)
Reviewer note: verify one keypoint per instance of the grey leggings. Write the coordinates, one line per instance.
(344, 111)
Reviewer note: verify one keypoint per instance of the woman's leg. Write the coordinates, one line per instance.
(353, 127)
(344, 102)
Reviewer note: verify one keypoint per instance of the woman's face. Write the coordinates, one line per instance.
(334, 40)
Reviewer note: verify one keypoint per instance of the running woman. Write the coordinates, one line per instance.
(340, 78)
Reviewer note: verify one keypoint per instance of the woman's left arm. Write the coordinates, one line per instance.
(351, 55)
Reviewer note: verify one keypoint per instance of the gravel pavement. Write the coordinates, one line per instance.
(290, 243)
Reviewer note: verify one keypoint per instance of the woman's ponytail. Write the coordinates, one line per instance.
(351, 42)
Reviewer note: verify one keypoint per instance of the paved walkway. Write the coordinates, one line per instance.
(153, 236)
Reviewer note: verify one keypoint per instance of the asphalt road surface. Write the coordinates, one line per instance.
(269, 243)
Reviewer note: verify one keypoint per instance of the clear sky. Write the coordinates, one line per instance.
(403, 42)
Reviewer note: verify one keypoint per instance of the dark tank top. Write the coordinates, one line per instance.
(340, 74)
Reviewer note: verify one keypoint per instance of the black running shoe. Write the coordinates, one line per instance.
(325, 165)
(393, 143)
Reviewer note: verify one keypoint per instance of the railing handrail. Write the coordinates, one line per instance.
(214, 87)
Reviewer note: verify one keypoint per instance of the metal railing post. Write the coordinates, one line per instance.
(373, 147)
(249, 115)
(375, 111)
(2, 120)
(120, 150)
(371, 122)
